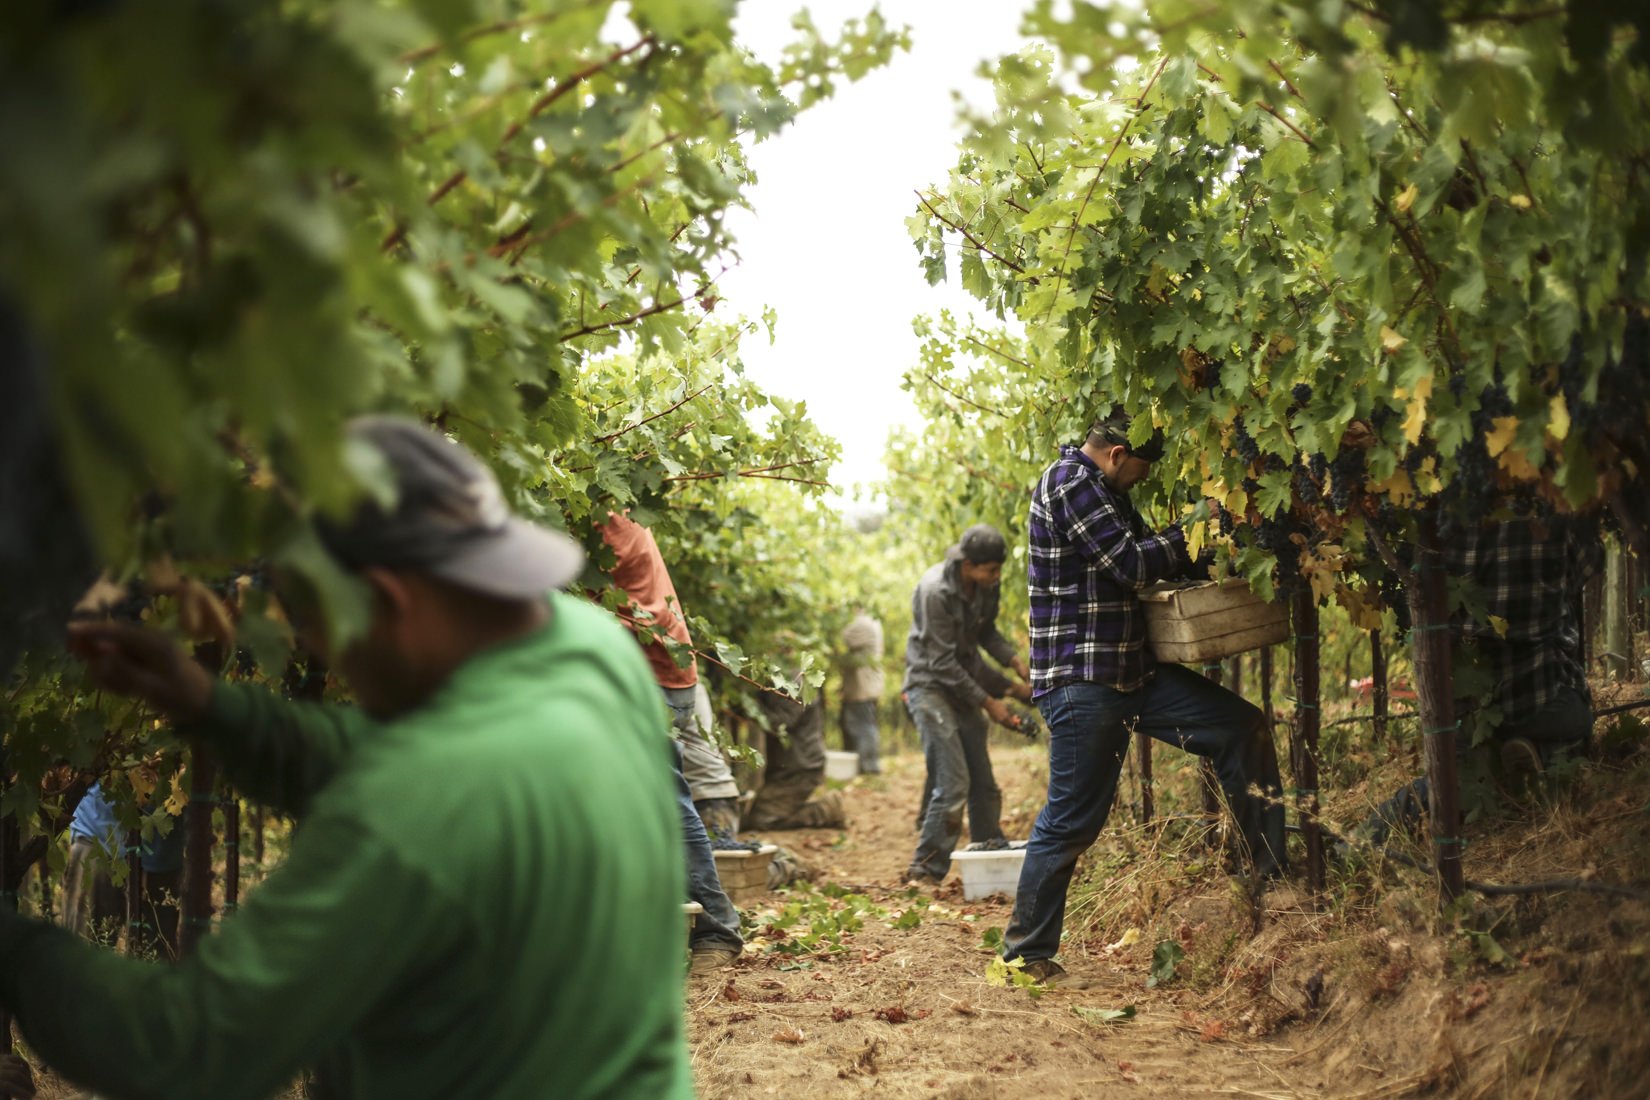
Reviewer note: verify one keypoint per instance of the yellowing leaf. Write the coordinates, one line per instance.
(1558, 418)
(1398, 488)
(1499, 624)
(1500, 436)
(1196, 535)
(1406, 198)
(1390, 340)
(1214, 487)
(1237, 503)
(1364, 614)
(1519, 202)
(143, 782)
(1515, 462)
(1426, 478)
(177, 801)
(1415, 419)
(1126, 940)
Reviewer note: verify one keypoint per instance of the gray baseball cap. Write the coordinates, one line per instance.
(449, 519)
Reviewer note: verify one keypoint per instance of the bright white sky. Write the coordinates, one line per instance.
(826, 244)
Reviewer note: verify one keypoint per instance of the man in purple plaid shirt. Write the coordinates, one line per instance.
(1094, 679)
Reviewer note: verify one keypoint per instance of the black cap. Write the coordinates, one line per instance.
(449, 519)
(981, 544)
(1113, 427)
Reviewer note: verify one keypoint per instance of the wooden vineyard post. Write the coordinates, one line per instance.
(1266, 686)
(1377, 680)
(1618, 643)
(137, 938)
(198, 844)
(196, 904)
(1205, 769)
(231, 850)
(1143, 752)
(1303, 747)
(1434, 689)
(258, 837)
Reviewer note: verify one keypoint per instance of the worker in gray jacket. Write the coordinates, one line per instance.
(951, 690)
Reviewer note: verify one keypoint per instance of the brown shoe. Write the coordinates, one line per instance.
(1046, 971)
(1052, 974)
(708, 960)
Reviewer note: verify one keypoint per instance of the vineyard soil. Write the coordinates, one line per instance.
(1367, 997)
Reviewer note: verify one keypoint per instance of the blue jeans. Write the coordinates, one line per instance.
(859, 733)
(959, 775)
(718, 925)
(1088, 734)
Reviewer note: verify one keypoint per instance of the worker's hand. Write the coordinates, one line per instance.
(1018, 664)
(16, 1079)
(1022, 692)
(998, 712)
(143, 663)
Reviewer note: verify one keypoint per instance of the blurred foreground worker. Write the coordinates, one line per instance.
(950, 691)
(862, 683)
(1094, 679)
(483, 897)
(639, 571)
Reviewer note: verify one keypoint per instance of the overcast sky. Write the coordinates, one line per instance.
(826, 245)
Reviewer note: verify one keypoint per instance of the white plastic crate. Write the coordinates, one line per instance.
(1186, 624)
(987, 873)
(691, 910)
(841, 765)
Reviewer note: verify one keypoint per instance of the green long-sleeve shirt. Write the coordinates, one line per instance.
(483, 900)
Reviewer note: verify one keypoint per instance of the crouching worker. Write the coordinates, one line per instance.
(795, 769)
(483, 897)
(1524, 648)
(1094, 679)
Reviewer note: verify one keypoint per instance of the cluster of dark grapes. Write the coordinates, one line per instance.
(1302, 483)
(1248, 449)
(1381, 415)
(1227, 523)
(1346, 472)
(1318, 465)
(1273, 537)
(1302, 393)
(1400, 609)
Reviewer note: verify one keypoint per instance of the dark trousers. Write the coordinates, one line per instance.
(954, 748)
(859, 733)
(1562, 726)
(718, 925)
(1089, 726)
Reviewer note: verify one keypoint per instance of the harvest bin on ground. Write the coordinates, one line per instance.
(841, 765)
(987, 873)
(1187, 624)
(744, 875)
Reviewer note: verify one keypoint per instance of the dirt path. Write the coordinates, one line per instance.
(910, 1012)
